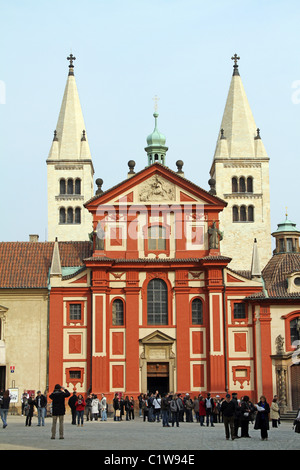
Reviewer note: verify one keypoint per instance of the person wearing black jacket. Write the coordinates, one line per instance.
(72, 400)
(246, 412)
(262, 417)
(29, 410)
(58, 397)
(4, 406)
(228, 411)
(40, 404)
(237, 415)
(165, 408)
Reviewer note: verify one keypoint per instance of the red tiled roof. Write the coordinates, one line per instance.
(27, 264)
(275, 274)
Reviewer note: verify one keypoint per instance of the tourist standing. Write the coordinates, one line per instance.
(274, 413)
(228, 411)
(41, 403)
(237, 415)
(72, 401)
(296, 423)
(29, 410)
(209, 407)
(24, 400)
(80, 407)
(188, 402)
(131, 409)
(58, 397)
(116, 407)
(202, 410)
(4, 407)
(262, 418)
(246, 410)
(165, 409)
(103, 407)
(174, 408)
(157, 407)
(88, 407)
(95, 407)
(180, 407)
(196, 409)
(145, 407)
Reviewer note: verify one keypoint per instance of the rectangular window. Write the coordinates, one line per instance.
(75, 374)
(157, 238)
(239, 310)
(75, 312)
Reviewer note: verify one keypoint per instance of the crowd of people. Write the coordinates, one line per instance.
(168, 408)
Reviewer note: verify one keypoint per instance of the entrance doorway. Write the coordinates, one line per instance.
(158, 377)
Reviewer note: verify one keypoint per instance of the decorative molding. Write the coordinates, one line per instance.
(69, 197)
(242, 196)
(68, 167)
(242, 165)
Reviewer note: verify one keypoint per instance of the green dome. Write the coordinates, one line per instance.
(286, 226)
(156, 138)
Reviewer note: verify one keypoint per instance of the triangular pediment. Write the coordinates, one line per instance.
(3, 309)
(155, 184)
(157, 337)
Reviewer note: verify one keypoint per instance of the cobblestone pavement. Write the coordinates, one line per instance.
(138, 435)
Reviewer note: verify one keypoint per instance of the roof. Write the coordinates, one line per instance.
(26, 264)
(158, 166)
(274, 276)
(158, 260)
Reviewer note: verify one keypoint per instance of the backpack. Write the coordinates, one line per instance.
(173, 405)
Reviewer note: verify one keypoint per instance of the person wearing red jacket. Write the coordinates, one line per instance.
(202, 410)
(80, 407)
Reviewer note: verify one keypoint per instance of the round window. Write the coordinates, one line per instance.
(297, 281)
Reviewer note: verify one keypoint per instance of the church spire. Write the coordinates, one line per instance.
(156, 149)
(70, 125)
(238, 124)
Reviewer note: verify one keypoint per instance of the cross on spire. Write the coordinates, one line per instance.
(71, 66)
(235, 67)
(155, 99)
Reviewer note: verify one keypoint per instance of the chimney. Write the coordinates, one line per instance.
(33, 238)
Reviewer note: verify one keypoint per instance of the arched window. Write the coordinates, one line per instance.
(197, 312)
(77, 186)
(243, 214)
(295, 329)
(77, 215)
(62, 215)
(234, 184)
(62, 186)
(249, 184)
(235, 214)
(250, 214)
(70, 216)
(157, 238)
(157, 302)
(118, 312)
(242, 184)
(70, 186)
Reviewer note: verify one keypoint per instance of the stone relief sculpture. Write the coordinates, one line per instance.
(157, 189)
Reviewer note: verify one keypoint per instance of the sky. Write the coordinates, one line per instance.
(128, 51)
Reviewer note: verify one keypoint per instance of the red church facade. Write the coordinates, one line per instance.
(155, 306)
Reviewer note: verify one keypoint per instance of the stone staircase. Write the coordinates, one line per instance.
(288, 416)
